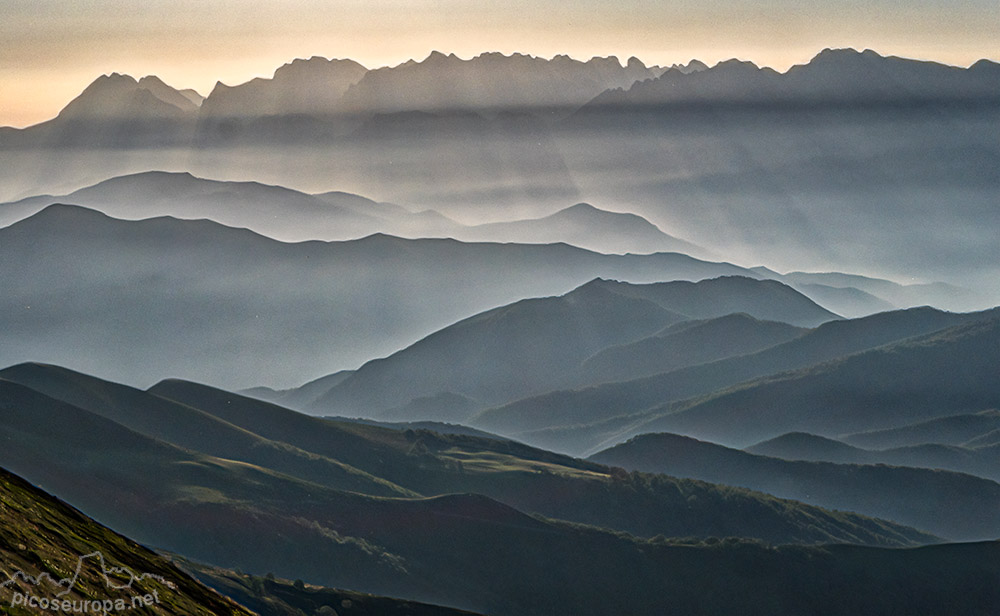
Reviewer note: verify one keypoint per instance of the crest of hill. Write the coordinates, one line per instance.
(490, 81)
(762, 299)
(260, 520)
(121, 97)
(688, 344)
(805, 446)
(603, 402)
(972, 458)
(944, 503)
(953, 430)
(910, 381)
(313, 86)
(538, 345)
(588, 227)
(834, 76)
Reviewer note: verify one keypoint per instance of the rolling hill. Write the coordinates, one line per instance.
(539, 345)
(688, 343)
(981, 462)
(318, 306)
(952, 430)
(585, 226)
(937, 375)
(425, 548)
(517, 475)
(588, 405)
(952, 505)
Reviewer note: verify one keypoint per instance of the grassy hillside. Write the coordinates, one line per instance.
(40, 534)
(537, 481)
(192, 429)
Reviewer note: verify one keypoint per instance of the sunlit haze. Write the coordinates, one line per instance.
(51, 49)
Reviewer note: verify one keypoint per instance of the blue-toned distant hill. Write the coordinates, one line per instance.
(560, 419)
(539, 345)
(200, 300)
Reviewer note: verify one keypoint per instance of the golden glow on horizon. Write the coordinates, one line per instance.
(51, 50)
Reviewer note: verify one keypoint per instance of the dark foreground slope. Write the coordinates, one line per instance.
(465, 550)
(40, 534)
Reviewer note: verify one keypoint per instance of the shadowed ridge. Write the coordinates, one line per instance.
(192, 429)
(944, 503)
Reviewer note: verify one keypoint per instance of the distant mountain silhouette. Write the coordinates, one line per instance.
(159, 285)
(944, 503)
(951, 430)
(869, 293)
(121, 97)
(290, 215)
(687, 344)
(539, 345)
(979, 461)
(314, 86)
(117, 111)
(832, 77)
(490, 82)
(536, 419)
(929, 377)
(586, 226)
(274, 211)
(845, 301)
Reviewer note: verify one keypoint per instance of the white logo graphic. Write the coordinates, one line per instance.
(110, 574)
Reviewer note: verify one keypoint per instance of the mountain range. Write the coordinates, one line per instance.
(315, 305)
(835, 165)
(513, 335)
(426, 546)
(289, 215)
(822, 575)
(833, 77)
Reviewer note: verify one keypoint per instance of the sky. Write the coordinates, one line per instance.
(50, 50)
